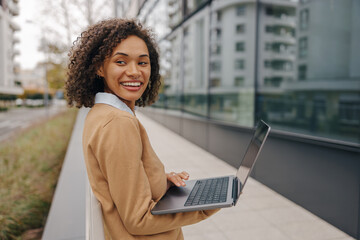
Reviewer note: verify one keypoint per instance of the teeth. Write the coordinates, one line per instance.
(131, 84)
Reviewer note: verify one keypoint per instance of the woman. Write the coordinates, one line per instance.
(114, 67)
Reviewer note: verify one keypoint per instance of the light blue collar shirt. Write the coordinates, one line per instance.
(112, 100)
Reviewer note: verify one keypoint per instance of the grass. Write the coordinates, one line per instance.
(30, 164)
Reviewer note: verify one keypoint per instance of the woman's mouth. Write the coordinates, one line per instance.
(132, 86)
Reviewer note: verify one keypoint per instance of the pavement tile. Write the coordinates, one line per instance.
(313, 230)
(266, 202)
(257, 189)
(283, 215)
(240, 207)
(235, 221)
(201, 228)
(207, 236)
(268, 233)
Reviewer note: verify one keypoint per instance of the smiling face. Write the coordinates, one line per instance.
(127, 70)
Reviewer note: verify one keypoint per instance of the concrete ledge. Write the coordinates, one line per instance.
(66, 218)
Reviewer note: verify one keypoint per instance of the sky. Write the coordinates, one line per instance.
(31, 22)
(29, 35)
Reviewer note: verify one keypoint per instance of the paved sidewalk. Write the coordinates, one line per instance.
(17, 119)
(260, 214)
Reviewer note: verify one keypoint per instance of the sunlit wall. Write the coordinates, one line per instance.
(295, 64)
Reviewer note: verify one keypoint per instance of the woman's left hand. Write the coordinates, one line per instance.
(177, 178)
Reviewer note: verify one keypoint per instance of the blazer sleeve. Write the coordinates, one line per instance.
(119, 152)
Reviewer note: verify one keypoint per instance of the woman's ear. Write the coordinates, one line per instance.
(100, 72)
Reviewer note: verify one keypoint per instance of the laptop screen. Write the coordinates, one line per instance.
(248, 162)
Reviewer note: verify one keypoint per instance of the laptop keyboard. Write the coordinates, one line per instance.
(208, 191)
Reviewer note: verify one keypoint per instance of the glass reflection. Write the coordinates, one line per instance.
(231, 70)
(310, 84)
(195, 87)
(172, 77)
(293, 63)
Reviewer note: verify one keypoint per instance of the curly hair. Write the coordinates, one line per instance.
(91, 49)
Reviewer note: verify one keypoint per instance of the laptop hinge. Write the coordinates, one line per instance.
(235, 190)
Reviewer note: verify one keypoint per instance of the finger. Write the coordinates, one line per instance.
(184, 175)
(170, 175)
(184, 172)
(175, 179)
(179, 181)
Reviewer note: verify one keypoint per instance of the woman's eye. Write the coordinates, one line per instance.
(143, 63)
(120, 62)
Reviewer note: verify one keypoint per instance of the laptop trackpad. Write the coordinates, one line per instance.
(175, 197)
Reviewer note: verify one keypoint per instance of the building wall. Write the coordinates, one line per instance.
(328, 35)
(355, 40)
(8, 28)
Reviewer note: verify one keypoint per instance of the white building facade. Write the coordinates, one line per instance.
(9, 83)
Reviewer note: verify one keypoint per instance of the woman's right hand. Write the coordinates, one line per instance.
(177, 179)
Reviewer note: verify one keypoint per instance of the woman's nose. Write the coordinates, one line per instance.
(132, 70)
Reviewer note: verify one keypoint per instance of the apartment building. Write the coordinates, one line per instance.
(9, 82)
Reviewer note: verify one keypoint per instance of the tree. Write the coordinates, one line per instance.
(61, 22)
(55, 63)
(70, 17)
(56, 76)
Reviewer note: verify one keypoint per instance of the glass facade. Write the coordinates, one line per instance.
(294, 64)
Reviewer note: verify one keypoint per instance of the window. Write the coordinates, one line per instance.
(268, 46)
(240, 28)
(218, 33)
(215, 82)
(349, 112)
(240, 46)
(273, 81)
(239, 64)
(303, 45)
(300, 106)
(240, 10)
(218, 16)
(279, 65)
(190, 5)
(277, 30)
(304, 19)
(215, 66)
(239, 81)
(302, 72)
(267, 64)
(280, 11)
(269, 29)
(319, 106)
(215, 49)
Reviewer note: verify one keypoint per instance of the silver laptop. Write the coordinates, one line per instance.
(218, 192)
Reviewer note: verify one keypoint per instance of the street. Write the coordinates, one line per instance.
(17, 119)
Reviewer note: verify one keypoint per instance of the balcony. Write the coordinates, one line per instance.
(13, 8)
(14, 26)
(281, 21)
(285, 55)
